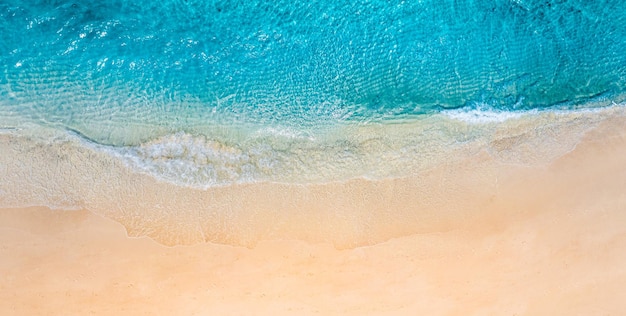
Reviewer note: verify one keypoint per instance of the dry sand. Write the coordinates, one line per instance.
(545, 240)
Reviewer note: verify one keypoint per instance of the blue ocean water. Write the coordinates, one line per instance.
(177, 63)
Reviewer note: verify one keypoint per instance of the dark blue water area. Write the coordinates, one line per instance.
(267, 62)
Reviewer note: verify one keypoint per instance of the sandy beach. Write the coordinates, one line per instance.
(208, 157)
(542, 240)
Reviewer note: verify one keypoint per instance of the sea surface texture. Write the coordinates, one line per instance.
(176, 64)
(202, 94)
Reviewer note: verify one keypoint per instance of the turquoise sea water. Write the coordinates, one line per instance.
(216, 92)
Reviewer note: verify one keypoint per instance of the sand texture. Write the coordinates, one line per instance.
(543, 240)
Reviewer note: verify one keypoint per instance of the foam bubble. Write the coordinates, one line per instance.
(195, 160)
(477, 116)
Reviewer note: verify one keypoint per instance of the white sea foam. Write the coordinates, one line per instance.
(193, 160)
(483, 114)
(478, 116)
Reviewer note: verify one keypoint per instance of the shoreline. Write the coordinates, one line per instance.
(540, 240)
(434, 194)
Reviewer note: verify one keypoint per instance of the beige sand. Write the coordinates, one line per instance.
(542, 241)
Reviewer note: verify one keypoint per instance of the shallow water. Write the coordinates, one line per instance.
(177, 64)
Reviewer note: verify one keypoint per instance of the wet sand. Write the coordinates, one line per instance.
(540, 240)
